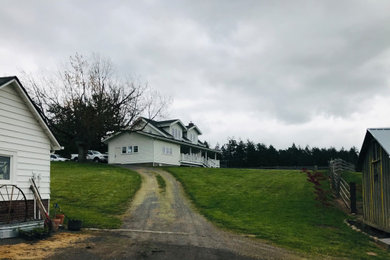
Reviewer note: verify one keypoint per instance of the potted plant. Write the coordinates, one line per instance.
(58, 219)
(59, 215)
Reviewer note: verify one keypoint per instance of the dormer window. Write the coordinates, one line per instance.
(176, 133)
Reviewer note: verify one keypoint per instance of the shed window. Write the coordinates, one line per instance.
(376, 157)
(376, 151)
(5, 167)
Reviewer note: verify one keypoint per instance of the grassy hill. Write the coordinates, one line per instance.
(95, 193)
(275, 205)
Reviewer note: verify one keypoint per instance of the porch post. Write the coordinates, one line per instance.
(190, 151)
(215, 156)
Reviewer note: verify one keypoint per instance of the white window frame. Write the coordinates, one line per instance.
(13, 162)
(129, 149)
(134, 149)
(122, 149)
(167, 150)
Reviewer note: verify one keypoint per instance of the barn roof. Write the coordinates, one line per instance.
(381, 135)
(4, 81)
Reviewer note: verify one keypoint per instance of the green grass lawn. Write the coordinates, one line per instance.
(161, 182)
(95, 193)
(275, 205)
(355, 177)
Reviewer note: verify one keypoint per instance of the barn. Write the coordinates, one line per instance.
(374, 162)
(25, 145)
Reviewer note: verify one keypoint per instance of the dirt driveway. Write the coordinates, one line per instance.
(164, 225)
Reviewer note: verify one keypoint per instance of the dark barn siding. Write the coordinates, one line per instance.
(376, 187)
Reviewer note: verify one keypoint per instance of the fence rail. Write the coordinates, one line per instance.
(345, 194)
(342, 189)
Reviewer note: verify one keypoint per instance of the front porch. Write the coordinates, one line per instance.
(190, 156)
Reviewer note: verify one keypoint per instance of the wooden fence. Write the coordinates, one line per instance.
(345, 191)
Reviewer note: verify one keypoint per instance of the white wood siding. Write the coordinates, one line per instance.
(22, 137)
(160, 157)
(144, 154)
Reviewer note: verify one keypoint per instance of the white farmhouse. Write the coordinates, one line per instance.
(25, 145)
(159, 143)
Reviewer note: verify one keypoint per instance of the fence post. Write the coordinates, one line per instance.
(352, 192)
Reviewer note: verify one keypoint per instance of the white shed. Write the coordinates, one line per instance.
(25, 145)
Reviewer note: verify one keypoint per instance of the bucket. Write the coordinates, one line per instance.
(74, 224)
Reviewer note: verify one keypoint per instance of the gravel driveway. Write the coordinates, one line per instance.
(164, 225)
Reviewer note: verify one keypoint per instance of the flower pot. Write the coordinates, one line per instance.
(74, 224)
(61, 216)
(56, 223)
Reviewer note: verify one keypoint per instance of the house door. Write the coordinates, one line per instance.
(117, 154)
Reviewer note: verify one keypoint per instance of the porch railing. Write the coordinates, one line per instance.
(196, 158)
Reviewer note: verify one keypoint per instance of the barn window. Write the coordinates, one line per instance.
(375, 151)
(376, 156)
(5, 167)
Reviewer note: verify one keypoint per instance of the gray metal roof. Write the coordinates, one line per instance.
(382, 136)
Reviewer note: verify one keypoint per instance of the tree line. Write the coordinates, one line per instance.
(249, 154)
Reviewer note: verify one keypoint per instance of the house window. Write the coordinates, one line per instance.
(5, 167)
(135, 148)
(167, 150)
(124, 149)
(129, 149)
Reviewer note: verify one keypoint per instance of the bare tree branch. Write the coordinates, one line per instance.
(85, 100)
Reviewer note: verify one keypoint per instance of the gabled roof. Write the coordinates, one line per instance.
(193, 126)
(159, 127)
(156, 126)
(5, 81)
(166, 123)
(381, 135)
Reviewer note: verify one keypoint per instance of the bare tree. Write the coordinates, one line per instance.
(86, 100)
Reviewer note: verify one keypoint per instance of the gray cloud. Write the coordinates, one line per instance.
(249, 66)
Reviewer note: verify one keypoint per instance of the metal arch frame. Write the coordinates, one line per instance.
(10, 199)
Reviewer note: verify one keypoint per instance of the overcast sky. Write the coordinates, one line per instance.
(312, 73)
